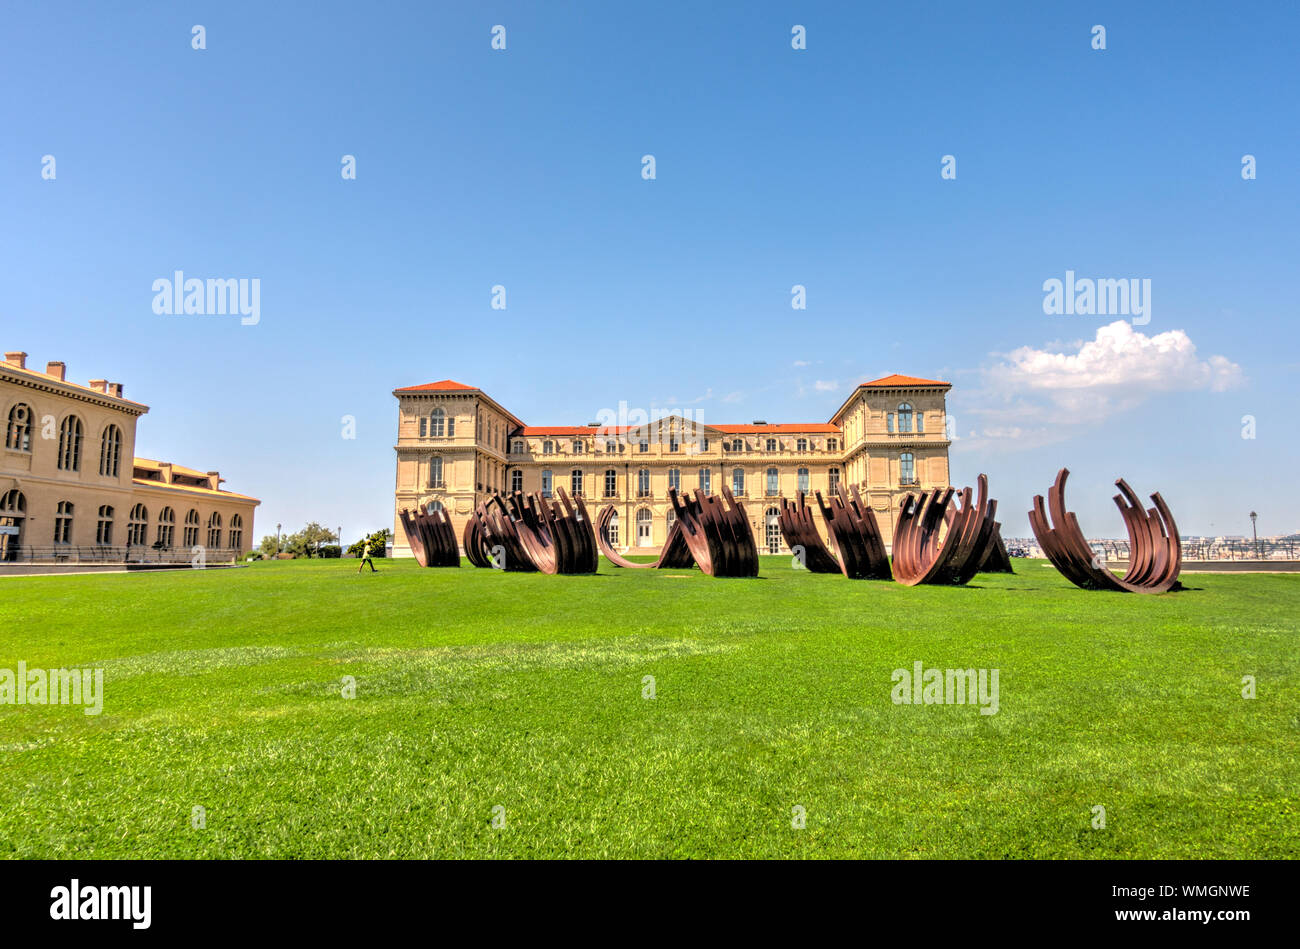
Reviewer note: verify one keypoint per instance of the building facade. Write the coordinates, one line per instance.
(456, 445)
(72, 489)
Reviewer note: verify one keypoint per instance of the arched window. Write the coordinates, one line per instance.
(435, 471)
(772, 533)
(906, 468)
(518, 447)
(546, 483)
(706, 480)
(433, 507)
(643, 483)
(166, 527)
(548, 447)
(18, 433)
(575, 482)
(104, 526)
(801, 444)
(137, 526)
(905, 417)
(644, 525)
(13, 513)
(803, 480)
(516, 479)
(63, 523)
(833, 480)
(771, 444)
(236, 532)
(191, 535)
(110, 451)
(738, 445)
(675, 479)
(611, 483)
(70, 444)
(214, 530)
(613, 530)
(438, 422)
(738, 481)
(773, 482)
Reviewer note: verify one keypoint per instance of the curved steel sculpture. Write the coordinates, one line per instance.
(555, 540)
(675, 554)
(431, 537)
(718, 534)
(853, 532)
(995, 558)
(1155, 549)
(923, 555)
(800, 533)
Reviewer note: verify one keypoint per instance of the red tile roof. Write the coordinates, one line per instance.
(444, 385)
(572, 430)
(896, 381)
(792, 427)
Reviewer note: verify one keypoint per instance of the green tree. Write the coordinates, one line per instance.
(306, 541)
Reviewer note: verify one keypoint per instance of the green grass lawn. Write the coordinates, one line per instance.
(478, 689)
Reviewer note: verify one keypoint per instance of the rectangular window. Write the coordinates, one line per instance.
(675, 479)
(546, 483)
(920, 423)
(643, 483)
(644, 445)
(889, 422)
(611, 483)
(575, 482)
(803, 480)
(706, 480)
(833, 480)
(772, 482)
(738, 481)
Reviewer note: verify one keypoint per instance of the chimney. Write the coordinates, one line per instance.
(214, 480)
(16, 359)
(99, 385)
(165, 470)
(115, 389)
(56, 369)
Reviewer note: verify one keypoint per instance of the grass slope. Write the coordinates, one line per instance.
(477, 689)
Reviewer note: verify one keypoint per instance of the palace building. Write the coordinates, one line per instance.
(456, 445)
(72, 490)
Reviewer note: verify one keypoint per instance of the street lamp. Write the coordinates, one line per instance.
(1253, 533)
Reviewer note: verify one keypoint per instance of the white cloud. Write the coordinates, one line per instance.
(802, 362)
(1123, 359)
(1039, 396)
(826, 385)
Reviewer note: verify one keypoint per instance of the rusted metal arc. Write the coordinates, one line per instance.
(555, 538)
(996, 559)
(674, 554)
(800, 534)
(935, 543)
(718, 533)
(431, 538)
(476, 550)
(1155, 548)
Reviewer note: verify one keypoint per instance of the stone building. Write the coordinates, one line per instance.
(72, 489)
(456, 445)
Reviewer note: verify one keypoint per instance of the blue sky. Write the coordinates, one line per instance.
(775, 167)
